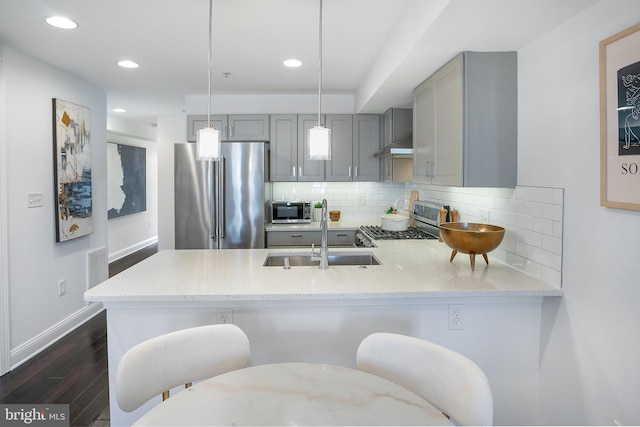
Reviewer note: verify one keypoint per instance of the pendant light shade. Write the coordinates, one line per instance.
(208, 139)
(208, 143)
(319, 137)
(319, 141)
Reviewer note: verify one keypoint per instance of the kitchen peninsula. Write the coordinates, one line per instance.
(306, 314)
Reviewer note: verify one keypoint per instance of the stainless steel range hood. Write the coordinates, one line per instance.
(395, 152)
(398, 133)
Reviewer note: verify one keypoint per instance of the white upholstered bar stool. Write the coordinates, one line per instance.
(157, 365)
(448, 380)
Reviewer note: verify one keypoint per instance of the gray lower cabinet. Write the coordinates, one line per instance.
(465, 122)
(275, 239)
(234, 127)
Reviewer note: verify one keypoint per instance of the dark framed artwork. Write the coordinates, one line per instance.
(126, 179)
(620, 120)
(72, 170)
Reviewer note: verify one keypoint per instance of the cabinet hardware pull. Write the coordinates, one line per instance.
(300, 171)
(294, 172)
(356, 172)
(296, 235)
(349, 171)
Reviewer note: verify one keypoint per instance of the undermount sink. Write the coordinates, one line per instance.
(299, 259)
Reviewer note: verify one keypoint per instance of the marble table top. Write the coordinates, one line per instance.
(294, 394)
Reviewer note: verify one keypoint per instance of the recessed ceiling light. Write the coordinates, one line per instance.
(292, 63)
(61, 22)
(128, 64)
(119, 110)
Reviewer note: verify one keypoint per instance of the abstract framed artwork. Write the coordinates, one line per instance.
(620, 120)
(126, 179)
(72, 170)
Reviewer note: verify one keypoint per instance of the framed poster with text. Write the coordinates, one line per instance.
(620, 120)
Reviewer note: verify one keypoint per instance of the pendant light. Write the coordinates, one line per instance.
(319, 137)
(208, 139)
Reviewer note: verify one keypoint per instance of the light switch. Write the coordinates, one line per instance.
(34, 200)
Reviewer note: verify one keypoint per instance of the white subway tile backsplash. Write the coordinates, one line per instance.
(542, 225)
(553, 212)
(533, 238)
(532, 216)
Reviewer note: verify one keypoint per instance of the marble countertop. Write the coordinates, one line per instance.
(410, 269)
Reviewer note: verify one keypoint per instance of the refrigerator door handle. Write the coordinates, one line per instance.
(223, 198)
(213, 203)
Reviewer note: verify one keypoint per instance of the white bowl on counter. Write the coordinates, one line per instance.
(394, 222)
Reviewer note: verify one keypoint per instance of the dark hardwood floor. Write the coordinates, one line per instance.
(72, 371)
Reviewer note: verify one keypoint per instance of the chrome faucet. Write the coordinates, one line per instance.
(324, 251)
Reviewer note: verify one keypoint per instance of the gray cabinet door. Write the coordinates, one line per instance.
(308, 170)
(366, 142)
(446, 154)
(248, 127)
(465, 122)
(195, 123)
(491, 119)
(340, 167)
(423, 131)
(284, 147)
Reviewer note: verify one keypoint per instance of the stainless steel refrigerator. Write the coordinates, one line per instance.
(221, 204)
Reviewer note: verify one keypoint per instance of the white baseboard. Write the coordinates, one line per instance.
(131, 249)
(35, 345)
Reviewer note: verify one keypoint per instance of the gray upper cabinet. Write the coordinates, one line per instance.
(366, 143)
(288, 157)
(465, 122)
(283, 156)
(234, 127)
(340, 167)
(195, 123)
(354, 141)
(308, 170)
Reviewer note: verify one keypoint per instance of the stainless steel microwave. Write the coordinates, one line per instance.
(290, 212)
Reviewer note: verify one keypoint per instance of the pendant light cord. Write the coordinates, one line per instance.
(320, 62)
(210, 48)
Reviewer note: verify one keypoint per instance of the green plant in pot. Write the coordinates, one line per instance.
(317, 211)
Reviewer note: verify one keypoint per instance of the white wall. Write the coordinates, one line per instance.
(130, 233)
(35, 261)
(590, 344)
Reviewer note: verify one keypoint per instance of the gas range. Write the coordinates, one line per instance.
(426, 217)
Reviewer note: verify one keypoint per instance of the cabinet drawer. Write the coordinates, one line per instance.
(293, 238)
(307, 238)
(341, 237)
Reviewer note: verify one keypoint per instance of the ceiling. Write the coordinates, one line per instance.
(376, 50)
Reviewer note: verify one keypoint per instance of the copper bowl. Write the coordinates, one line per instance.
(471, 238)
(334, 215)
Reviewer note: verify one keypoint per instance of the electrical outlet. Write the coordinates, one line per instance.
(225, 316)
(456, 317)
(361, 201)
(62, 287)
